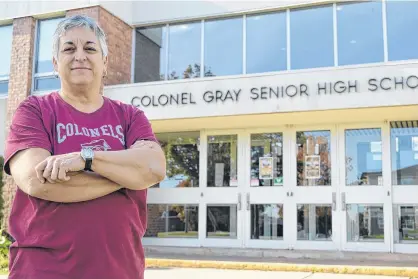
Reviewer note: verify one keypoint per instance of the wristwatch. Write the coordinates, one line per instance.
(87, 154)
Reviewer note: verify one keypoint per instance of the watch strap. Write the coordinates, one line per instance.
(87, 167)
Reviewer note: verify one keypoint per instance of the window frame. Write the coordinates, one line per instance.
(6, 79)
(38, 76)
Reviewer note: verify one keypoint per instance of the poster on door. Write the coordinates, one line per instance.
(313, 167)
(266, 167)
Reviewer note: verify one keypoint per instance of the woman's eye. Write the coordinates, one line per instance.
(68, 49)
(90, 49)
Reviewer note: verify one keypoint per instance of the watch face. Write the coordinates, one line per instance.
(88, 153)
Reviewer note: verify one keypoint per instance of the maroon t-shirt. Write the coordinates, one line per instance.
(96, 239)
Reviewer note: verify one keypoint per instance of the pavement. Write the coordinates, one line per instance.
(200, 273)
(160, 263)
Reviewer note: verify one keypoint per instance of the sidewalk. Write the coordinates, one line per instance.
(203, 273)
(408, 269)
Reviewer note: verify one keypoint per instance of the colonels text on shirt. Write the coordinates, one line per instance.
(65, 131)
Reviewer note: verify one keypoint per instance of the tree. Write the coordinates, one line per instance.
(191, 72)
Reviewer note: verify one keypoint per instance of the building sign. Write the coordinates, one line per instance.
(276, 92)
(366, 86)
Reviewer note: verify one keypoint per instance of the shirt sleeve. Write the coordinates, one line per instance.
(26, 131)
(139, 128)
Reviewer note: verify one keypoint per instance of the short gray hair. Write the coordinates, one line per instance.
(74, 22)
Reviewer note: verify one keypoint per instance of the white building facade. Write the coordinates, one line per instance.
(285, 125)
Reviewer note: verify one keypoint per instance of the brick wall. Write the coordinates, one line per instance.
(119, 40)
(20, 83)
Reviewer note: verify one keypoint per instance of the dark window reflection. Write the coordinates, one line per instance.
(311, 33)
(222, 161)
(47, 83)
(172, 221)
(266, 43)
(365, 223)
(221, 221)
(223, 47)
(360, 33)
(182, 155)
(314, 222)
(184, 51)
(402, 18)
(404, 152)
(363, 157)
(266, 221)
(406, 224)
(267, 159)
(150, 58)
(314, 158)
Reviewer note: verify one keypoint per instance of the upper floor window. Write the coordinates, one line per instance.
(266, 43)
(360, 33)
(402, 19)
(44, 78)
(6, 36)
(311, 37)
(223, 47)
(184, 51)
(150, 53)
(325, 35)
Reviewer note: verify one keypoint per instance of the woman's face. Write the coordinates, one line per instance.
(80, 59)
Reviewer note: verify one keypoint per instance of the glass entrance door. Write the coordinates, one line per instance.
(404, 182)
(266, 183)
(221, 189)
(365, 193)
(313, 188)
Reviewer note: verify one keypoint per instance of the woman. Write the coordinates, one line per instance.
(82, 164)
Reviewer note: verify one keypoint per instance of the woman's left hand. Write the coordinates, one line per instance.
(56, 168)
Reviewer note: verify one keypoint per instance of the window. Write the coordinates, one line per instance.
(222, 161)
(365, 223)
(313, 158)
(184, 51)
(266, 43)
(266, 160)
(363, 157)
(150, 54)
(223, 47)
(44, 78)
(6, 36)
(221, 221)
(172, 221)
(311, 38)
(402, 19)
(314, 222)
(267, 221)
(182, 155)
(404, 152)
(405, 226)
(360, 33)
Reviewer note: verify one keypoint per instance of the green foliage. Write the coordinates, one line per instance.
(1, 189)
(4, 252)
(4, 241)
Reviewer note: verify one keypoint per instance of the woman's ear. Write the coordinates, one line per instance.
(55, 64)
(105, 63)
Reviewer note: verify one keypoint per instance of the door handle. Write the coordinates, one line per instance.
(239, 201)
(248, 201)
(334, 201)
